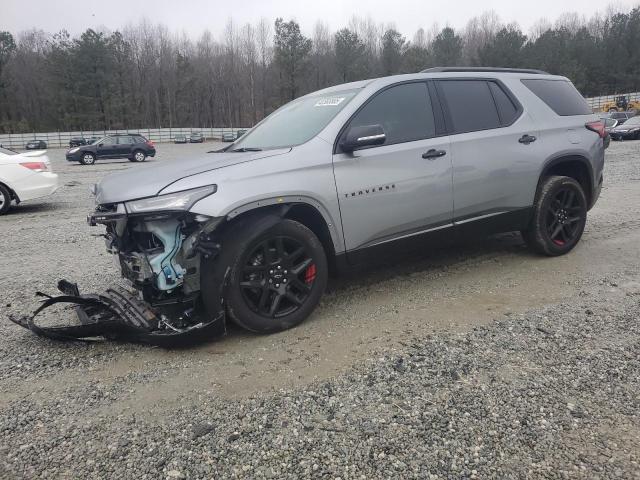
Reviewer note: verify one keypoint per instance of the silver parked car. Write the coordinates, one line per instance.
(335, 176)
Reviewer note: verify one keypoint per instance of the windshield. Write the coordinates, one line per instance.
(632, 121)
(296, 122)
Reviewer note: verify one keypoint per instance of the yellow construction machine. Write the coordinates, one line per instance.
(621, 103)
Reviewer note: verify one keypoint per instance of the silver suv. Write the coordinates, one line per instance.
(252, 231)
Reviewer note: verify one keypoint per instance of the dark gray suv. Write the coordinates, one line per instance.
(133, 146)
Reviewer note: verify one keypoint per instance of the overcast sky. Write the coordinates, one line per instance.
(194, 16)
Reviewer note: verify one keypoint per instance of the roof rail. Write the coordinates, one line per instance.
(482, 69)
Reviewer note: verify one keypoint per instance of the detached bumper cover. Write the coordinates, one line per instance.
(119, 315)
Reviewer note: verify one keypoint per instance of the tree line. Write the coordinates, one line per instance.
(145, 76)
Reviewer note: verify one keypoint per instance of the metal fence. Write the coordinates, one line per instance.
(596, 103)
(158, 135)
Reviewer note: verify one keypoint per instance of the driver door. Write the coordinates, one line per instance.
(403, 187)
(106, 148)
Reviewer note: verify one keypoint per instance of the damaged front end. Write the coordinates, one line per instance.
(159, 245)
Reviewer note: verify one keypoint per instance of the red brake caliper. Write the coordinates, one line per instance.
(310, 273)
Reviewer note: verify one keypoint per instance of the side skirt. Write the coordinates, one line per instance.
(461, 229)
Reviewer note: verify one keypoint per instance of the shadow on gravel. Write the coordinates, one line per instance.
(419, 259)
(426, 257)
(110, 161)
(31, 208)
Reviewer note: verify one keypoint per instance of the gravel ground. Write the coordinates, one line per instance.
(474, 362)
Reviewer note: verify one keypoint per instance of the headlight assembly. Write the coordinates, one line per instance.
(74, 150)
(173, 201)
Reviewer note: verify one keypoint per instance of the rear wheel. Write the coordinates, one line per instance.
(88, 158)
(138, 156)
(5, 199)
(559, 217)
(276, 275)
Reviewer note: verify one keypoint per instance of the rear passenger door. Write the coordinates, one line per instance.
(494, 145)
(125, 143)
(396, 189)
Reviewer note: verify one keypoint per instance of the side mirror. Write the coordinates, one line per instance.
(100, 144)
(365, 136)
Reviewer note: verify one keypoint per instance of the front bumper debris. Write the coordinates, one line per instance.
(120, 315)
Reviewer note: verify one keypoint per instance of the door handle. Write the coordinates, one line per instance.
(433, 154)
(527, 139)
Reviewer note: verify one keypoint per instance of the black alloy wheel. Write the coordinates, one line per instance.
(278, 276)
(565, 213)
(559, 216)
(269, 276)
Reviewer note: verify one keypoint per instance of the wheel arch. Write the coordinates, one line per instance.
(300, 209)
(575, 166)
(12, 192)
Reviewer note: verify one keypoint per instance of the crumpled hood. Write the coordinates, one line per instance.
(147, 180)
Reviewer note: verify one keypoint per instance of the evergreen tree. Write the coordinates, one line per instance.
(447, 48)
(392, 46)
(349, 51)
(291, 55)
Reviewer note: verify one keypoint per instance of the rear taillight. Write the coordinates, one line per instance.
(150, 143)
(597, 127)
(36, 166)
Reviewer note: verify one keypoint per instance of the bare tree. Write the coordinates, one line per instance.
(539, 27)
(147, 76)
(250, 56)
(571, 21)
(322, 56)
(264, 38)
(477, 34)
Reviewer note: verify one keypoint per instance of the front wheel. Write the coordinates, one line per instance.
(277, 275)
(88, 158)
(559, 216)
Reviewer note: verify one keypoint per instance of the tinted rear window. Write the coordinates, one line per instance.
(507, 110)
(561, 96)
(470, 104)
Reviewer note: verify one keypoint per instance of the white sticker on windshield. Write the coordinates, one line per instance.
(329, 102)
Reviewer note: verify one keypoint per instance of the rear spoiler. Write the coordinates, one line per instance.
(33, 153)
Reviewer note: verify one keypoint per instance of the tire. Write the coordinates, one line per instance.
(559, 217)
(5, 199)
(263, 292)
(88, 158)
(138, 156)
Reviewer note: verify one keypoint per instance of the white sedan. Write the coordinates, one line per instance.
(24, 176)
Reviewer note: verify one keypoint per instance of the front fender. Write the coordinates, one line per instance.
(334, 231)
